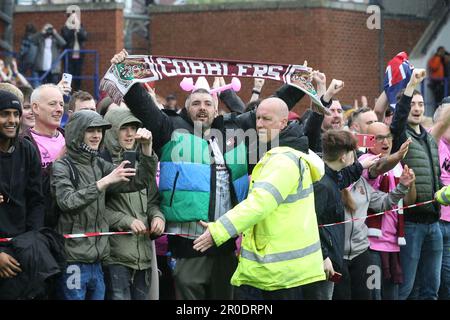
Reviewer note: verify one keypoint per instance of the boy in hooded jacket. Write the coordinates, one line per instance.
(128, 268)
(83, 206)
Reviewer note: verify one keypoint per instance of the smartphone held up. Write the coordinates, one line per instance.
(67, 77)
(131, 157)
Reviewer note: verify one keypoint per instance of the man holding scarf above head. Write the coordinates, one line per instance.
(202, 177)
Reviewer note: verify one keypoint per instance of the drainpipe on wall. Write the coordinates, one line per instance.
(381, 46)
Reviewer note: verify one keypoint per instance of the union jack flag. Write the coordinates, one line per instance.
(396, 77)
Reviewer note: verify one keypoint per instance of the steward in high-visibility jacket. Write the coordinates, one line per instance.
(280, 245)
(443, 196)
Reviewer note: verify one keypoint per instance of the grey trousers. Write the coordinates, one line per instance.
(205, 277)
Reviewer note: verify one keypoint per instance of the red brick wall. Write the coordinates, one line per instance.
(140, 44)
(105, 34)
(401, 35)
(336, 42)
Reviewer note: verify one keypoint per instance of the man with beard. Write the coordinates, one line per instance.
(21, 199)
(362, 119)
(203, 175)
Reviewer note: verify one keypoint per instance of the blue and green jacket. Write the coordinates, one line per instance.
(187, 176)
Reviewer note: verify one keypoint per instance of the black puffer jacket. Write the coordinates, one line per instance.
(41, 255)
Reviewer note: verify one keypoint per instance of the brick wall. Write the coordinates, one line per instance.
(140, 44)
(336, 42)
(104, 25)
(401, 35)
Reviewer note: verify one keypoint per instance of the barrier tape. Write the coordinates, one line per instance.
(378, 214)
(99, 234)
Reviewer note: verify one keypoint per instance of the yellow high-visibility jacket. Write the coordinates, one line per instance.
(443, 196)
(280, 245)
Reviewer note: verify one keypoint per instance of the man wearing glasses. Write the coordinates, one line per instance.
(386, 232)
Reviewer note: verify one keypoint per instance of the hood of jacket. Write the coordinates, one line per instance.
(117, 118)
(316, 165)
(76, 128)
(293, 136)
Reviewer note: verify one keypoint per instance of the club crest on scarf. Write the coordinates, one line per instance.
(138, 68)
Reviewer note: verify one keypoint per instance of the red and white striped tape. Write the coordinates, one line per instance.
(378, 214)
(95, 234)
(99, 234)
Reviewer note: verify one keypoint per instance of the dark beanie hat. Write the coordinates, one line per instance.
(9, 101)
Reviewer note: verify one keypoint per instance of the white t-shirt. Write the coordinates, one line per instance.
(47, 64)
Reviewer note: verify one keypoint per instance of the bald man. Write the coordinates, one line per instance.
(274, 130)
(271, 118)
(386, 233)
(383, 146)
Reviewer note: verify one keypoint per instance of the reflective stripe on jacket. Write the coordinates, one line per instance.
(443, 196)
(280, 246)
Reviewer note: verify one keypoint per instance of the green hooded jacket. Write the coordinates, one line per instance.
(83, 209)
(133, 251)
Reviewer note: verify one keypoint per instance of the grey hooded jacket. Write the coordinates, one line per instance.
(365, 197)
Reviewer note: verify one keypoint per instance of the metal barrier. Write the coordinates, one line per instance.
(65, 55)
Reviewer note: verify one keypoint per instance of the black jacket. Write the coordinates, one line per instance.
(162, 123)
(41, 255)
(330, 209)
(69, 36)
(49, 203)
(21, 186)
(292, 136)
(313, 129)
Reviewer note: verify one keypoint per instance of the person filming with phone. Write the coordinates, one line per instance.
(49, 43)
(75, 35)
(79, 183)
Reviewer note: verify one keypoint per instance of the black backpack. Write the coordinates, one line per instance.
(52, 216)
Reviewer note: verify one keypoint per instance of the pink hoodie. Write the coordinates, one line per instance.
(444, 162)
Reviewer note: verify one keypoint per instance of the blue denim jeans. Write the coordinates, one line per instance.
(82, 281)
(124, 283)
(444, 290)
(421, 260)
